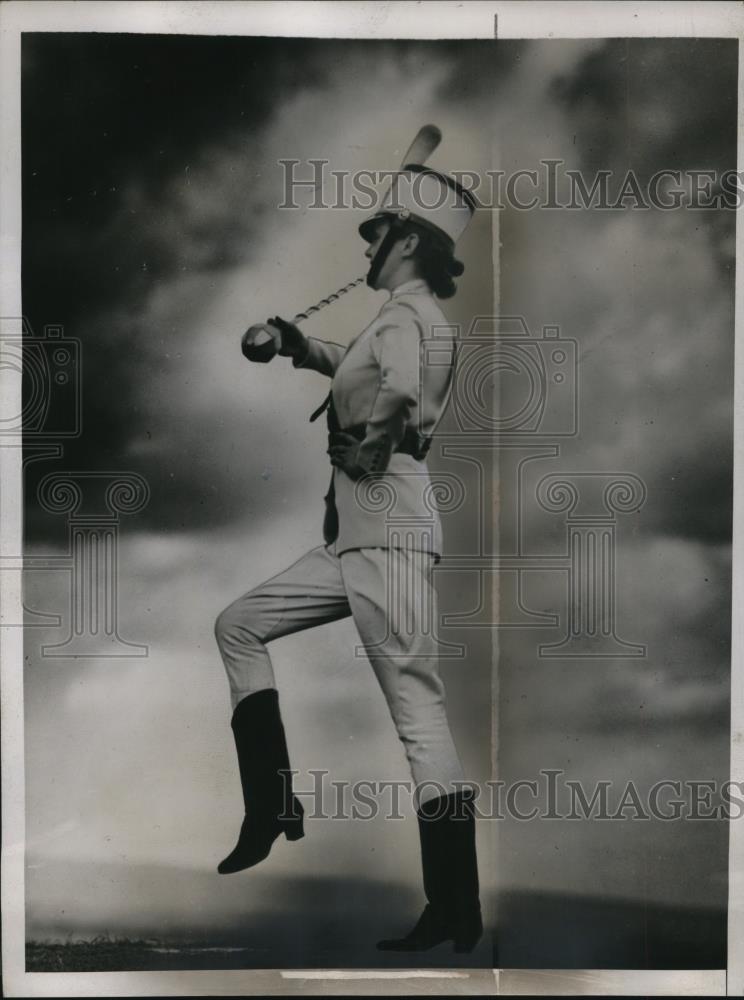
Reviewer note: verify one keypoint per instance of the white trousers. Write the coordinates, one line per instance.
(391, 596)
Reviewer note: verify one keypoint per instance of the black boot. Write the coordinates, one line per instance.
(450, 868)
(270, 806)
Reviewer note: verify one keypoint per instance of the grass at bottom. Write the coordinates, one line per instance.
(103, 954)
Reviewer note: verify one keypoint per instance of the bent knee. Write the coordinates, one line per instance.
(236, 622)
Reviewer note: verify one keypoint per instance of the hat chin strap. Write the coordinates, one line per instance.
(391, 236)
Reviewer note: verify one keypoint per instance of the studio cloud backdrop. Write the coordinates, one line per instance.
(151, 233)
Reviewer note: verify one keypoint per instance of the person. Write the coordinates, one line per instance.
(382, 410)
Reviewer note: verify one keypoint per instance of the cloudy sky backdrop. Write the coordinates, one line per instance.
(151, 232)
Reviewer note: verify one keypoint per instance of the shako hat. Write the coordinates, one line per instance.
(434, 201)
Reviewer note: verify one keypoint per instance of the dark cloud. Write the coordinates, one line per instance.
(652, 103)
(143, 160)
(649, 104)
(695, 500)
(479, 68)
(103, 111)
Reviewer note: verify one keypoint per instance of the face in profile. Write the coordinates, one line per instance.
(381, 279)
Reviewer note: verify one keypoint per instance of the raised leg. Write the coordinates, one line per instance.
(309, 593)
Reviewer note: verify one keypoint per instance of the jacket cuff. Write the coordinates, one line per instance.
(300, 360)
(374, 455)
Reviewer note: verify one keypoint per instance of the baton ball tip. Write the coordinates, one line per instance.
(259, 343)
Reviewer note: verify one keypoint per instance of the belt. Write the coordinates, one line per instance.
(412, 443)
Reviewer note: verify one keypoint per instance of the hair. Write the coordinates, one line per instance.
(435, 260)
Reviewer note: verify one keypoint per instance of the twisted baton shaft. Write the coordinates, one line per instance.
(329, 299)
(260, 342)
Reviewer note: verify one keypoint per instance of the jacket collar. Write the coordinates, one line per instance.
(417, 286)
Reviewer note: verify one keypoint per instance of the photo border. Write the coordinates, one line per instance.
(469, 20)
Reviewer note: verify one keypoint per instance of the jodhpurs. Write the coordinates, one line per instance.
(389, 593)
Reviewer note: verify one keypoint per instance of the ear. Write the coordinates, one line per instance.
(410, 245)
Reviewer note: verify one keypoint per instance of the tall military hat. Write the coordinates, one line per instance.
(424, 196)
(434, 201)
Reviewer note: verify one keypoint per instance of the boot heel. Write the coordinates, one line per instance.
(465, 946)
(294, 830)
(466, 940)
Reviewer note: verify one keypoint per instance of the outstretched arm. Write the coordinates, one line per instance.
(320, 355)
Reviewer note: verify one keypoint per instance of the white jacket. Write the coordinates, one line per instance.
(382, 380)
